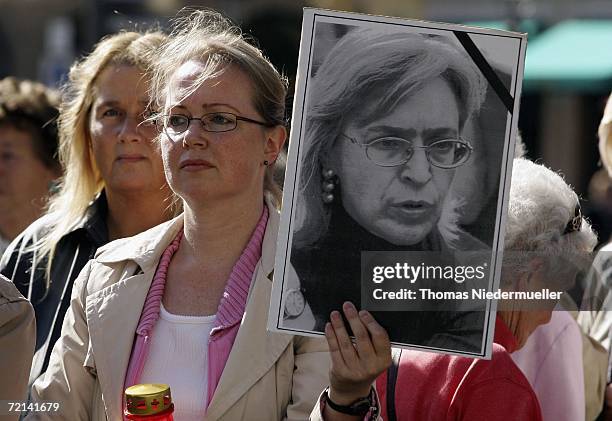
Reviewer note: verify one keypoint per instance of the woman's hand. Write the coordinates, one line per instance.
(355, 367)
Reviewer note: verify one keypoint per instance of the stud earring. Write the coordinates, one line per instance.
(266, 163)
(330, 180)
(53, 186)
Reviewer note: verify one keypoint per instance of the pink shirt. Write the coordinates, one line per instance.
(229, 314)
(552, 362)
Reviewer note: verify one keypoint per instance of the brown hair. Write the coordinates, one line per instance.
(32, 107)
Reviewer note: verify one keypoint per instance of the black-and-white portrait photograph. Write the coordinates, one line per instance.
(401, 144)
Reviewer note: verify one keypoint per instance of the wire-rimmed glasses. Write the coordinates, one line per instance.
(392, 151)
(176, 124)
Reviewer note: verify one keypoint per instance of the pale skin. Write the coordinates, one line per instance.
(403, 203)
(523, 318)
(523, 323)
(220, 177)
(125, 153)
(354, 366)
(24, 181)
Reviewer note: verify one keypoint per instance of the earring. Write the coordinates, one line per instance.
(266, 163)
(53, 186)
(328, 185)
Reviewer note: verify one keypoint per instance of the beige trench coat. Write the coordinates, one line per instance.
(17, 340)
(268, 376)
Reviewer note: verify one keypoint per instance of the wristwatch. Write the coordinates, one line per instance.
(359, 407)
(294, 303)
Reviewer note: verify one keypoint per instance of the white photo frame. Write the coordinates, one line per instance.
(469, 205)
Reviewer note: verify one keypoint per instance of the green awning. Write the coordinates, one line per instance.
(574, 55)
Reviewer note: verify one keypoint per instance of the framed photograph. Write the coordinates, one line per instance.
(398, 171)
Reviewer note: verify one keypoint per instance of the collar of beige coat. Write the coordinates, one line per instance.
(146, 248)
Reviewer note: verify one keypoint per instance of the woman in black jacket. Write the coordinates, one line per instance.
(114, 185)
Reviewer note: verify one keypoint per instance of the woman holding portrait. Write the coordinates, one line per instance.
(186, 303)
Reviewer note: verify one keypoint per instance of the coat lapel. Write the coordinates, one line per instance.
(112, 315)
(114, 311)
(254, 347)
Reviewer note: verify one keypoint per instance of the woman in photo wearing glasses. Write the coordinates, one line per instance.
(186, 303)
(384, 139)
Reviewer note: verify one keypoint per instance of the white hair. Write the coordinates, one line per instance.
(540, 206)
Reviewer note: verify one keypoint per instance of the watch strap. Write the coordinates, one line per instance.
(359, 407)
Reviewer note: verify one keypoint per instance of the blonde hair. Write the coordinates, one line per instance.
(82, 180)
(210, 38)
(605, 137)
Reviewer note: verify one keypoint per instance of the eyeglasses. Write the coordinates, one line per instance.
(394, 151)
(175, 124)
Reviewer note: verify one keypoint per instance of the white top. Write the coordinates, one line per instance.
(178, 357)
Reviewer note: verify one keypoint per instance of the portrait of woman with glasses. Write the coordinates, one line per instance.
(384, 137)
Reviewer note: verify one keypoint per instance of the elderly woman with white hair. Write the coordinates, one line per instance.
(545, 236)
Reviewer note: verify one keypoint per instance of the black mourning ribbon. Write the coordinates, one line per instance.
(486, 69)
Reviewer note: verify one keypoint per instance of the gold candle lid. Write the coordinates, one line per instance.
(147, 399)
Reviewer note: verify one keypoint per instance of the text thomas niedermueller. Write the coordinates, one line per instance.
(476, 294)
